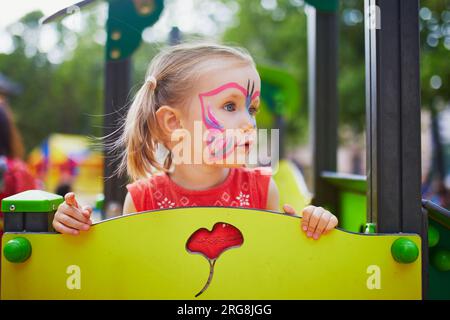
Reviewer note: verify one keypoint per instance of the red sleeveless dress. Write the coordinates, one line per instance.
(243, 187)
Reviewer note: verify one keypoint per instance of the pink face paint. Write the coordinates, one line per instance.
(207, 116)
(250, 96)
(223, 148)
(210, 121)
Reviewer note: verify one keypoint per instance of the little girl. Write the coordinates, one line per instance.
(192, 87)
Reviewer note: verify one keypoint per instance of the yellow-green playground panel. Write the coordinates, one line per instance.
(260, 255)
(291, 185)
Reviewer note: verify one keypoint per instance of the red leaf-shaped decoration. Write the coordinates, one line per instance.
(211, 244)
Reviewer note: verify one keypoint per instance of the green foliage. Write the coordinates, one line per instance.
(65, 97)
(435, 52)
(351, 74)
(276, 37)
(278, 34)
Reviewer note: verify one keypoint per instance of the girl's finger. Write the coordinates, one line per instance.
(87, 211)
(71, 222)
(59, 227)
(331, 224)
(88, 208)
(306, 215)
(75, 213)
(288, 209)
(323, 222)
(70, 199)
(314, 220)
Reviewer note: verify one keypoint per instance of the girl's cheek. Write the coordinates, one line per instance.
(228, 122)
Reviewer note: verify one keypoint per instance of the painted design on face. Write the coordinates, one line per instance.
(218, 146)
(221, 147)
(211, 121)
(251, 95)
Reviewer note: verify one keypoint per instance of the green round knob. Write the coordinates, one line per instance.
(433, 236)
(404, 250)
(441, 260)
(17, 250)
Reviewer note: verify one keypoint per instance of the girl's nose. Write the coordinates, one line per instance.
(248, 125)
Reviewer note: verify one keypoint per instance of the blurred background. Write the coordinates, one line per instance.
(52, 78)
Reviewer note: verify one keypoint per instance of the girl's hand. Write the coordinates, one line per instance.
(70, 218)
(315, 220)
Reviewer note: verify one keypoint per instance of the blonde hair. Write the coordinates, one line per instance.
(175, 70)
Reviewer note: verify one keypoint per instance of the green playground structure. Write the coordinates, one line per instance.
(381, 212)
(168, 254)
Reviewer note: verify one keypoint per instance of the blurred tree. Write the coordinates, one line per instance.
(435, 86)
(275, 30)
(65, 95)
(435, 53)
(351, 82)
(63, 86)
(275, 33)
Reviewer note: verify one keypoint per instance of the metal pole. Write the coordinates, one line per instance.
(393, 117)
(323, 100)
(117, 87)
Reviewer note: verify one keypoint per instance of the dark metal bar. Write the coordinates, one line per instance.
(393, 118)
(67, 11)
(410, 116)
(370, 68)
(429, 205)
(383, 109)
(323, 100)
(117, 87)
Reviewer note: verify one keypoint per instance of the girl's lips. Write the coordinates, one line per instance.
(244, 144)
(244, 147)
(247, 141)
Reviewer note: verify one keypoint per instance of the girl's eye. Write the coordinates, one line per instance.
(230, 107)
(253, 111)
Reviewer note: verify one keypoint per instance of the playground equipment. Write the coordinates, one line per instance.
(224, 253)
(389, 198)
(201, 253)
(65, 158)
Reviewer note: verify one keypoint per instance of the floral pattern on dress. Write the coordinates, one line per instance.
(166, 203)
(243, 199)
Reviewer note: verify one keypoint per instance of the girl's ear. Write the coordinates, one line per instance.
(168, 119)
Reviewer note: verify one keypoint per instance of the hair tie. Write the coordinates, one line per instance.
(151, 81)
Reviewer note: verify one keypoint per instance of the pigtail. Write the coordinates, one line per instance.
(139, 137)
(168, 161)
